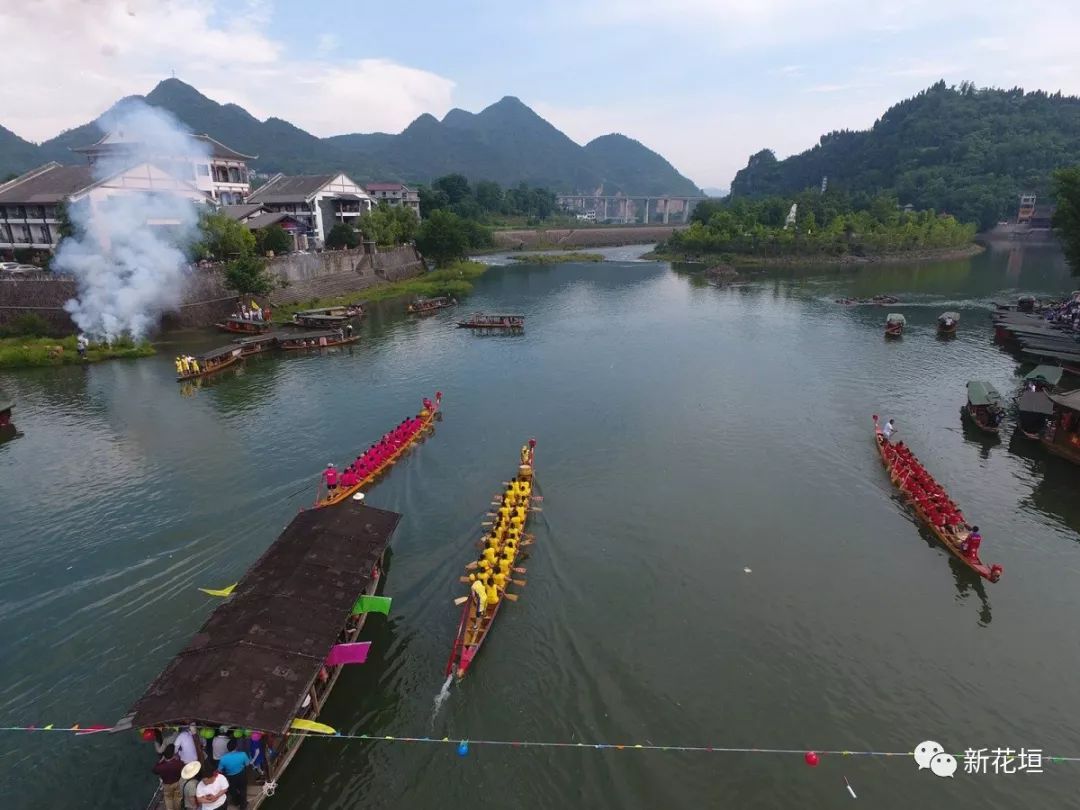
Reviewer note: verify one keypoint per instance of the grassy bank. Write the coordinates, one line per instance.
(557, 258)
(816, 259)
(30, 352)
(455, 280)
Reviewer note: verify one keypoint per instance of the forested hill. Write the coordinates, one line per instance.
(962, 150)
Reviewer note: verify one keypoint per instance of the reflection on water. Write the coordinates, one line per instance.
(686, 433)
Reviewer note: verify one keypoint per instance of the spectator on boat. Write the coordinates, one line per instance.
(212, 789)
(168, 768)
(219, 745)
(889, 429)
(233, 764)
(330, 476)
(970, 547)
(186, 746)
(189, 780)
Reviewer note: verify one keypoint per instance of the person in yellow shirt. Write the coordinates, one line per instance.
(490, 554)
(179, 366)
(479, 596)
(492, 591)
(500, 580)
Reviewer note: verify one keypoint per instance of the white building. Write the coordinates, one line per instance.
(395, 194)
(29, 203)
(320, 201)
(218, 170)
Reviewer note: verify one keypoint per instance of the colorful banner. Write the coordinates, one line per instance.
(372, 604)
(348, 653)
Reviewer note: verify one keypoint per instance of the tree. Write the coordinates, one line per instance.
(443, 237)
(64, 225)
(432, 199)
(223, 237)
(248, 276)
(389, 225)
(273, 238)
(1067, 215)
(342, 235)
(489, 196)
(454, 186)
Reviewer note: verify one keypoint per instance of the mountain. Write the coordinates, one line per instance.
(17, 155)
(506, 142)
(968, 151)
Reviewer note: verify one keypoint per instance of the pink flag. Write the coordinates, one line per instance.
(348, 653)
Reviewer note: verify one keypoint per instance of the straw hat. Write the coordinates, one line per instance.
(191, 770)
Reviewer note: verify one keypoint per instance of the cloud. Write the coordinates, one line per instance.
(103, 50)
(326, 44)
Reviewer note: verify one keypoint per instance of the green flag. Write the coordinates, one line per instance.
(372, 604)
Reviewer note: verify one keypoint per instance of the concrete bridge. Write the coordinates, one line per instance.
(627, 209)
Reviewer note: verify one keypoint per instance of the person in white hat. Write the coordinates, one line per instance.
(190, 784)
(330, 476)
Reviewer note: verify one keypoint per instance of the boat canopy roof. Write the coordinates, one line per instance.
(322, 317)
(1035, 402)
(313, 335)
(895, 317)
(949, 316)
(1071, 400)
(215, 354)
(6, 405)
(246, 341)
(982, 393)
(1051, 375)
(256, 657)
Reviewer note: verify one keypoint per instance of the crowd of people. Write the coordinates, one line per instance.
(1065, 312)
(186, 364)
(252, 313)
(928, 496)
(206, 769)
(490, 574)
(371, 461)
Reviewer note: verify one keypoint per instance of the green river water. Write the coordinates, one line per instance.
(720, 559)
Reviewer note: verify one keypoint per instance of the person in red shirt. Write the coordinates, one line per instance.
(348, 478)
(970, 547)
(330, 476)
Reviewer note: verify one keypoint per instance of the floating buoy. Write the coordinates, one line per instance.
(811, 758)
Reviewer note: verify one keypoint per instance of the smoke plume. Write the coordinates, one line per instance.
(127, 253)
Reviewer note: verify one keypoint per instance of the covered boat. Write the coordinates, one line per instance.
(422, 306)
(256, 345)
(320, 320)
(1044, 378)
(244, 326)
(984, 406)
(923, 494)
(894, 324)
(482, 321)
(266, 659)
(947, 322)
(1062, 433)
(1033, 409)
(492, 573)
(316, 340)
(191, 368)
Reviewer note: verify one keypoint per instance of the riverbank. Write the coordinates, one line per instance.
(598, 236)
(36, 352)
(454, 280)
(557, 258)
(817, 260)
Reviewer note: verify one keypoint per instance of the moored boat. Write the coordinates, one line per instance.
(6, 406)
(316, 340)
(385, 459)
(894, 324)
(1033, 409)
(263, 664)
(1044, 378)
(481, 320)
(984, 406)
(244, 326)
(319, 320)
(206, 364)
(947, 322)
(492, 573)
(1062, 433)
(256, 345)
(421, 306)
(906, 481)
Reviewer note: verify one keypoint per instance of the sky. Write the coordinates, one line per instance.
(706, 83)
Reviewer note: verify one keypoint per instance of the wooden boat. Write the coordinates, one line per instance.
(316, 340)
(876, 300)
(243, 326)
(1033, 409)
(951, 540)
(947, 323)
(427, 417)
(894, 325)
(1044, 378)
(319, 320)
(277, 635)
(213, 362)
(473, 630)
(422, 306)
(342, 311)
(1062, 433)
(256, 345)
(480, 320)
(984, 407)
(6, 406)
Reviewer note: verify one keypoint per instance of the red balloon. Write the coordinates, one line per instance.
(811, 758)
(147, 734)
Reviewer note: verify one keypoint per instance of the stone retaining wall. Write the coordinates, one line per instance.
(206, 300)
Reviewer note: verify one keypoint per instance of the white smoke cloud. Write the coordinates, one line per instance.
(127, 254)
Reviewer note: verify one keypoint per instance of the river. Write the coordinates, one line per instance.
(720, 559)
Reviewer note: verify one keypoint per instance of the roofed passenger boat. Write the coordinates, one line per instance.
(319, 320)
(341, 491)
(1062, 433)
(482, 321)
(894, 324)
(341, 311)
(947, 322)
(260, 344)
(984, 407)
(502, 545)
(953, 537)
(1044, 378)
(212, 362)
(265, 661)
(1034, 409)
(316, 340)
(422, 306)
(244, 326)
